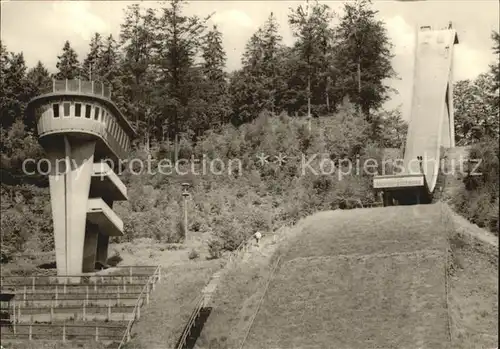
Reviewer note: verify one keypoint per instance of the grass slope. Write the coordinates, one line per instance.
(237, 297)
(163, 320)
(473, 285)
(372, 278)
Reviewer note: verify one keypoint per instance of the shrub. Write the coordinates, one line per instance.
(114, 260)
(478, 199)
(193, 254)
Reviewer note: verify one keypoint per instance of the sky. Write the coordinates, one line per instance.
(40, 28)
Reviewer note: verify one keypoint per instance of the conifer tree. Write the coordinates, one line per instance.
(14, 91)
(364, 52)
(215, 91)
(91, 69)
(67, 65)
(179, 42)
(138, 38)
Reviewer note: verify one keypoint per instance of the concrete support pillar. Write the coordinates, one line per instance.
(90, 248)
(69, 178)
(103, 239)
(102, 248)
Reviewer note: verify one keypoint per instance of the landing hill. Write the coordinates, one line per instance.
(399, 277)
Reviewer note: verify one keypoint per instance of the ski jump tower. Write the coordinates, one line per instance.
(431, 123)
(79, 127)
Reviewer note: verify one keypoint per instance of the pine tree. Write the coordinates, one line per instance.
(364, 53)
(311, 25)
(38, 81)
(260, 84)
(67, 65)
(495, 68)
(215, 92)
(110, 68)
(180, 40)
(14, 91)
(273, 81)
(254, 53)
(91, 69)
(247, 91)
(138, 38)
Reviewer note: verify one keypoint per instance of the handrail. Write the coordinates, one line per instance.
(192, 319)
(254, 315)
(72, 276)
(138, 304)
(45, 286)
(71, 307)
(80, 86)
(200, 300)
(70, 325)
(95, 279)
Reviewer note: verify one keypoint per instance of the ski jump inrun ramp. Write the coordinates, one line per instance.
(431, 123)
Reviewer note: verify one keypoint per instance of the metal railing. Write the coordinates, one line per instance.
(200, 301)
(48, 280)
(144, 295)
(199, 304)
(136, 314)
(97, 334)
(94, 88)
(261, 300)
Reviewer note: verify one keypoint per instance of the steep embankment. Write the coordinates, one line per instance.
(473, 284)
(370, 278)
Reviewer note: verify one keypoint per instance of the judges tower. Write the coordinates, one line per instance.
(79, 127)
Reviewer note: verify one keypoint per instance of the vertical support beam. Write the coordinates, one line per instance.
(14, 314)
(109, 309)
(90, 247)
(102, 247)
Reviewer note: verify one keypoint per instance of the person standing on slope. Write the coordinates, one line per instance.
(257, 237)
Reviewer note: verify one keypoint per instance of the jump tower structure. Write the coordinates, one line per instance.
(431, 124)
(84, 136)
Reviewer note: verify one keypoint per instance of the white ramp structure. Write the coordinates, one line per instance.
(431, 123)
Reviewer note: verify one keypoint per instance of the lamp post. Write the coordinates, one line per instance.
(185, 194)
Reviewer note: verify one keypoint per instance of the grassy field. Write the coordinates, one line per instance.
(371, 278)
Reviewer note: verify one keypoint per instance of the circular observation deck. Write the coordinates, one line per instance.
(82, 110)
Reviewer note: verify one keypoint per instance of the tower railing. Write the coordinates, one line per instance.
(94, 88)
